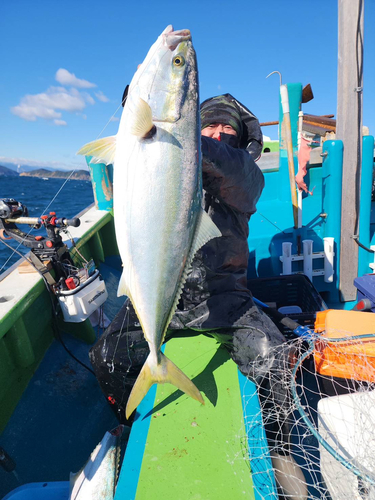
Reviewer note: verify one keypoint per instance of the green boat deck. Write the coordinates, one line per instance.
(198, 451)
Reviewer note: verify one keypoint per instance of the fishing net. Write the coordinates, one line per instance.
(331, 422)
(311, 431)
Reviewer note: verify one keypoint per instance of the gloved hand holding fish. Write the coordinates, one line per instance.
(159, 221)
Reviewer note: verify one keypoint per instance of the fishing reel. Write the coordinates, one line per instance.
(13, 212)
(50, 247)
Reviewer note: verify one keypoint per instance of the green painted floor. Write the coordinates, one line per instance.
(195, 451)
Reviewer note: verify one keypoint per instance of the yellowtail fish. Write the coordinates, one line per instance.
(159, 221)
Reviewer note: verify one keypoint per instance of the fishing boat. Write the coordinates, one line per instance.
(309, 263)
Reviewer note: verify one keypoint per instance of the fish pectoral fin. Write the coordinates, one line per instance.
(164, 372)
(206, 230)
(103, 150)
(142, 119)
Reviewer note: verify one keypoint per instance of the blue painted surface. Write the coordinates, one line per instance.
(102, 184)
(261, 465)
(132, 463)
(272, 224)
(364, 258)
(58, 490)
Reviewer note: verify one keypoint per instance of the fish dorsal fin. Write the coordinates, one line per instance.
(103, 150)
(142, 122)
(205, 231)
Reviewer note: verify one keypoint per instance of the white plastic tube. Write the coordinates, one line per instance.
(287, 257)
(284, 98)
(328, 259)
(299, 197)
(308, 258)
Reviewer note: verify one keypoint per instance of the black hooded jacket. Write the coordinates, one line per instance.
(216, 294)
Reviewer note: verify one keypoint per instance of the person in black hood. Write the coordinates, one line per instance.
(215, 299)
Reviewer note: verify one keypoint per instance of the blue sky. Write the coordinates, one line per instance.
(64, 65)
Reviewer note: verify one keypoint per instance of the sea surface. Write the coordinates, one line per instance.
(66, 198)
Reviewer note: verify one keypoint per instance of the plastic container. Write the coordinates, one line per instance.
(58, 490)
(366, 288)
(289, 292)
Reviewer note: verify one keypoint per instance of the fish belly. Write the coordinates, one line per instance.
(156, 205)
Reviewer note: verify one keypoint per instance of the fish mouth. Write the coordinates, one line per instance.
(172, 39)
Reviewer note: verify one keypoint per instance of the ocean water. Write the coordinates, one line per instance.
(40, 196)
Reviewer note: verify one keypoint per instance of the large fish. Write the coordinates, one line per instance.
(98, 477)
(159, 221)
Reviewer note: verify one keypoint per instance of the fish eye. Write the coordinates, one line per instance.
(178, 61)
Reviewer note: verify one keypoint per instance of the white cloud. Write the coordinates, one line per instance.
(60, 122)
(88, 98)
(101, 96)
(51, 104)
(64, 77)
(47, 104)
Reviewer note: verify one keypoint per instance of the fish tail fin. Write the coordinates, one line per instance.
(165, 371)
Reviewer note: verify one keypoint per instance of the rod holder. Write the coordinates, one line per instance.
(307, 246)
(328, 259)
(287, 257)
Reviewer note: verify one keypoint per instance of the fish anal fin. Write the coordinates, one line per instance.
(123, 288)
(142, 123)
(103, 150)
(165, 372)
(205, 231)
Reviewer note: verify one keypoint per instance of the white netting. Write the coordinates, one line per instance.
(331, 425)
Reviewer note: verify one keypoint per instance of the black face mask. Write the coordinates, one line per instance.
(231, 140)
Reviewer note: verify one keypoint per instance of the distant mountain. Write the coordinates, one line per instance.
(4, 171)
(58, 174)
(18, 168)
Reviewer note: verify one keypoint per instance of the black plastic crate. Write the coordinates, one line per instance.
(290, 290)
